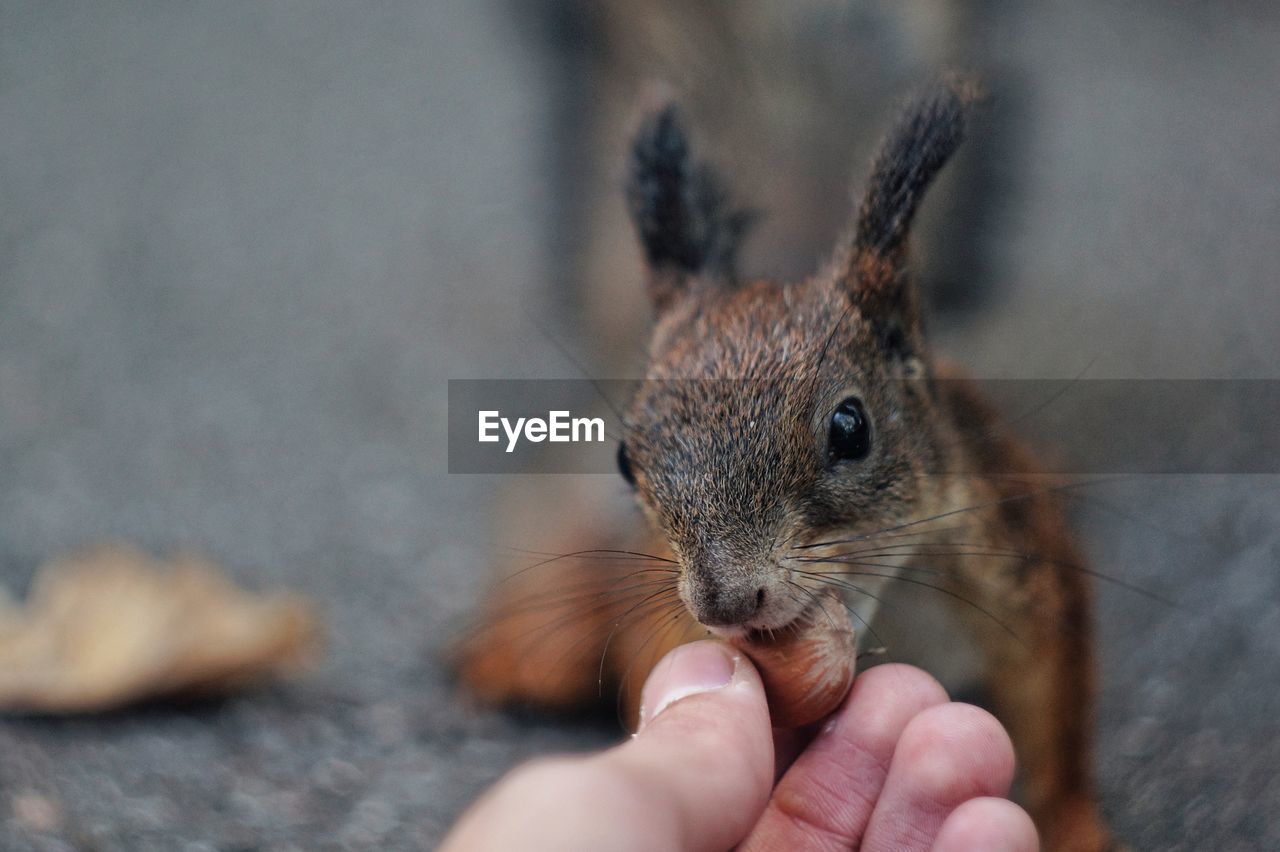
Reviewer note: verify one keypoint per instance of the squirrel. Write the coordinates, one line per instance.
(796, 437)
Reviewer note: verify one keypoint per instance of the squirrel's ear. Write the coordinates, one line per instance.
(925, 136)
(680, 210)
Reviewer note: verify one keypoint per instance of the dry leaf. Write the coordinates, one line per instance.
(111, 626)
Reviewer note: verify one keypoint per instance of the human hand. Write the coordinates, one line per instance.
(896, 767)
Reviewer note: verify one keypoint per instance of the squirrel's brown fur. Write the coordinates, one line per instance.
(727, 445)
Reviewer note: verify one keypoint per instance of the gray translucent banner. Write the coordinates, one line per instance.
(1079, 426)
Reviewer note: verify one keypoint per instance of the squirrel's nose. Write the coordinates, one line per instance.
(728, 606)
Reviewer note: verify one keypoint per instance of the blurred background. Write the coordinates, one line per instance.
(243, 247)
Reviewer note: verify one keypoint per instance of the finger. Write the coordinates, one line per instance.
(946, 756)
(695, 777)
(790, 743)
(707, 757)
(997, 825)
(825, 800)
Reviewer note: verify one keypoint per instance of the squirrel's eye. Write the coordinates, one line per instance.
(624, 465)
(850, 435)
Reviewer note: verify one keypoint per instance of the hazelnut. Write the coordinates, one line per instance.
(807, 668)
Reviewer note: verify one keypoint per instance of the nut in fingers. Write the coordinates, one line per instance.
(807, 669)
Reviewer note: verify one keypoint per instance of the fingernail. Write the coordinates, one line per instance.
(688, 670)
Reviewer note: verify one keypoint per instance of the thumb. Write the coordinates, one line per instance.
(695, 777)
(704, 750)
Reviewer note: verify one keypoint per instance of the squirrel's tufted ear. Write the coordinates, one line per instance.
(925, 136)
(680, 210)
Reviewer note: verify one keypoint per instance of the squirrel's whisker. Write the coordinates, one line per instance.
(661, 633)
(942, 589)
(941, 549)
(602, 552)
(664, 593)
(1012, 498)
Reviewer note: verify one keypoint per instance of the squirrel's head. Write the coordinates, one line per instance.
(776, 415)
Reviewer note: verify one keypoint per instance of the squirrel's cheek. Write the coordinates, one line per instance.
(806, 672)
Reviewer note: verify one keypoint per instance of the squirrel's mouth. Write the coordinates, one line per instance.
(762, 628)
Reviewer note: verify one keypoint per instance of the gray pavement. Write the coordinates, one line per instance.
(242, 249)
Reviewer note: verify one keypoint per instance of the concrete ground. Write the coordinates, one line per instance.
(243, 249)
